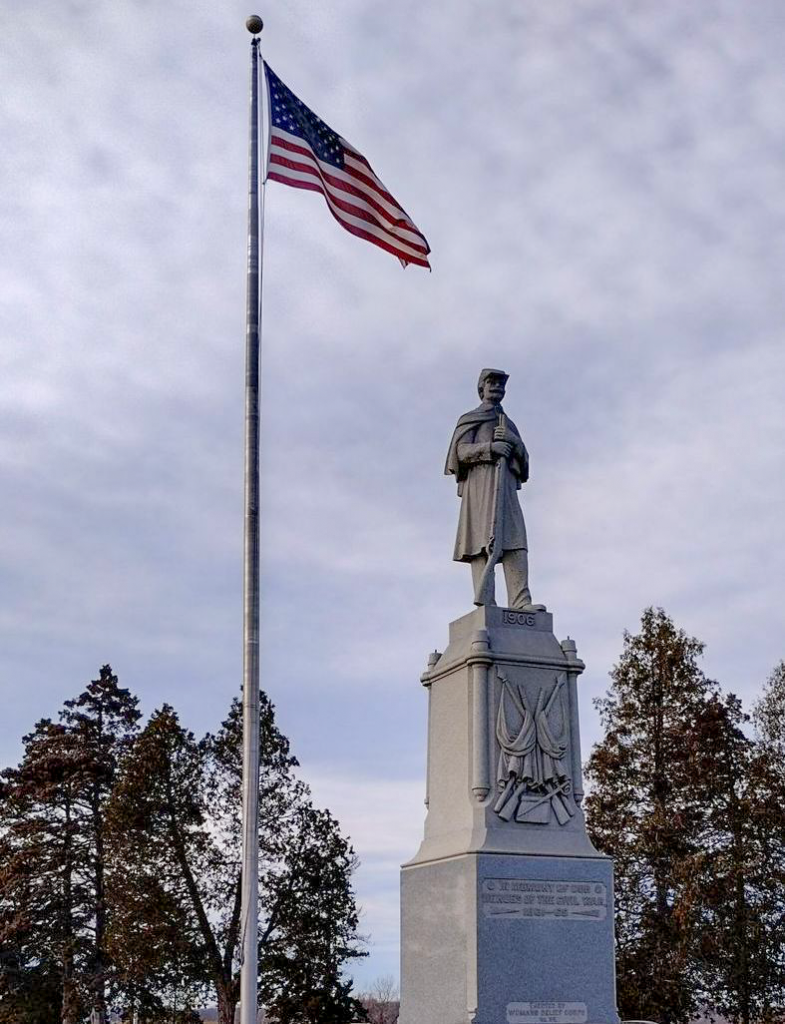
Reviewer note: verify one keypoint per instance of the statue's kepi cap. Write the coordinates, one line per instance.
(487, 372)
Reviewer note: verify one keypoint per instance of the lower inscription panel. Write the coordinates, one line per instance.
(533, 898)
(546, 1012)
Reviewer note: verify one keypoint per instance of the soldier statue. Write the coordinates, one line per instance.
(490, 462)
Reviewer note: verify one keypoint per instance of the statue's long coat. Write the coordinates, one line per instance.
(469, 459)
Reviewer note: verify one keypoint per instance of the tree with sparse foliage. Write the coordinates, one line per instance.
(381, 1000)
(176, 811)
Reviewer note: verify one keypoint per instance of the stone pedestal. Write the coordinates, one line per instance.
(507, 908)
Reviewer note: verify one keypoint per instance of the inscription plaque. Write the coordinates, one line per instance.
(533, 898)
(546, 1012)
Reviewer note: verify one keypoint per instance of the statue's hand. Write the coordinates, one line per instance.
(503, 434)
(501, 449)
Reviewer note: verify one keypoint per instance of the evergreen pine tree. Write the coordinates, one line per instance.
(768, 715)
(52, 879)
(646, 809)
(740, 952)
(31, 961)
(311, 925)
(767, 782)
(178, 805)
(162, 933)
(102, 722)
(45, 898)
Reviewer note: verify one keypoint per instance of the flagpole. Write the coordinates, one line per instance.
(249, 952)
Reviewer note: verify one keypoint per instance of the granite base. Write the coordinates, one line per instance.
(508, 939)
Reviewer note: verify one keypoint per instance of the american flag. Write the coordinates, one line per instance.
(306, 153)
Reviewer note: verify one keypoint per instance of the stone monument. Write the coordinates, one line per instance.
(507, 908)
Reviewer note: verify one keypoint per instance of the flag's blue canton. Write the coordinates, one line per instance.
(292, 115)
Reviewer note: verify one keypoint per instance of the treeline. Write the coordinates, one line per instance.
(687, 793)
(120, 852)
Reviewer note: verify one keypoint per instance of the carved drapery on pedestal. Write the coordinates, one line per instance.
(533, 782)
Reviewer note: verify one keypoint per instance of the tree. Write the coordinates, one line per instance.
(30, 981)
(52, 884)
(742, 954)
(647, 809)
(311, 925)
(765, 848)
(149, 944)
(159, 824)
(768, 714)
(102, 722)
(381, 1000)
(734, 968)
(44, 900)
(176, 810)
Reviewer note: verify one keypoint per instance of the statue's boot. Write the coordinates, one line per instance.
(516, 575)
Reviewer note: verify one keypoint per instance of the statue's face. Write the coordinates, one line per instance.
(493, 390)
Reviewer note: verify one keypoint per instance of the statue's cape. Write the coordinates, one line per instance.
(482, 414)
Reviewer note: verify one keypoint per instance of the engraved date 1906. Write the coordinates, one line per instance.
(513, 618)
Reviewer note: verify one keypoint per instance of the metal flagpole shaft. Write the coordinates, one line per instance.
(249, 953)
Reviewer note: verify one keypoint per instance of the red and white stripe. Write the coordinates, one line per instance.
(355, 196)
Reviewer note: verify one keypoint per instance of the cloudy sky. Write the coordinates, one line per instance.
(603, 187)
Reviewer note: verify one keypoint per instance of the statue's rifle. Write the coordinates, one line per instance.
(484, 592)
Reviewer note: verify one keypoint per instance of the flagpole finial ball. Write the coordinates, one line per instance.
(254, 24)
